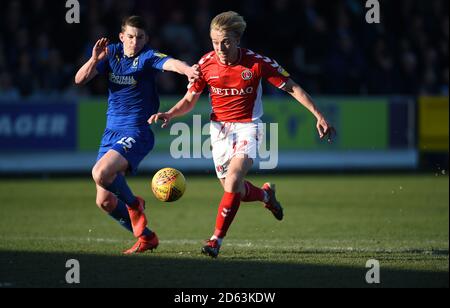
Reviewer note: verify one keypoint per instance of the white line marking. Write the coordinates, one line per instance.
(327, 246)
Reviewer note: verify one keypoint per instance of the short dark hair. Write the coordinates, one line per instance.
(135, 22)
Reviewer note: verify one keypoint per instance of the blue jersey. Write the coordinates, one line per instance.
(133, 97)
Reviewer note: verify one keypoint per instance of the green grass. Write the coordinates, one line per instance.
(333, 226)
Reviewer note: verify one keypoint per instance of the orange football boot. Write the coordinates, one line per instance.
(143, 244)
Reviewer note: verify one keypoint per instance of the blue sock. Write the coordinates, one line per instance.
(121, 215)
(120, 188)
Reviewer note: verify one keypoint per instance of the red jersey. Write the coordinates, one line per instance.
(235, 90)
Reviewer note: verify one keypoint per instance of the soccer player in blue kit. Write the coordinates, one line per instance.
(131, 67)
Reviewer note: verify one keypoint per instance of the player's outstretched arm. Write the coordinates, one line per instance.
(177, 66)
(88, 71)
(324, 129)
(184, 106)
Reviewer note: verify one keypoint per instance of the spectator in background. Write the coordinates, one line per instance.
(25, 79)
(7, 91)
(345, 67)
(178, 34)
(345, 62)
(409, 81)
(42, 53)
(429, 83)
(202, 19)
(56, 75)
(382, 75)
(319, 37)
(2, 56)
(443, 89)
(310, 52)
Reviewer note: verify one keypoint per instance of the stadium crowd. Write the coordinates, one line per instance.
(327, 46)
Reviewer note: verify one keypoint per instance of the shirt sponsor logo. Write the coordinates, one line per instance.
(232, 92)
(122, 80)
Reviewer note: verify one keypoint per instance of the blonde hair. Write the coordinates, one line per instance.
(229, 22)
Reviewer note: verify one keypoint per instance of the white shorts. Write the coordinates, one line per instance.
(231, 139)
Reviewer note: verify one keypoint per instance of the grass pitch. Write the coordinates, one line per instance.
(333, 225)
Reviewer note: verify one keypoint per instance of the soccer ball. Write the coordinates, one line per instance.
(168, 185)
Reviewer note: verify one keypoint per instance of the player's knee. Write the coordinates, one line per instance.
(96, 174)
(101, 176)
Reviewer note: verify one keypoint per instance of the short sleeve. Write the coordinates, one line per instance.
(156, 60)
(274, 73)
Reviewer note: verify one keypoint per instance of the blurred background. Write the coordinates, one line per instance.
(379, 191)
(384, 86)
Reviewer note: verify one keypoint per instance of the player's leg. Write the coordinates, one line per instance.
(110, 204)
(117, 209)
(239, 166)
(108, 173)
(224, 150)
(106, 200)
(266, 195)
(231, 200)
(272, 204)
(234, 182)
(249, 192)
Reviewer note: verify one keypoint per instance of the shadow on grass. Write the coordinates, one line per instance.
(32, 269)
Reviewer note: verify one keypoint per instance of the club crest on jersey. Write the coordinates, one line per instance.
(135, 63)
(247, 75)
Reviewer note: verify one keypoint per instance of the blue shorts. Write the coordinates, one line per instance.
(133, 145)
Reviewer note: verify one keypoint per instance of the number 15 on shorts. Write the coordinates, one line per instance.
(127, 142)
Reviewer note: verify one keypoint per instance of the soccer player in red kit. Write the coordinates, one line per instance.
(233, 76)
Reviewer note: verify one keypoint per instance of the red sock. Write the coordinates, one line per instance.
(253, 193)
(227, 211)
